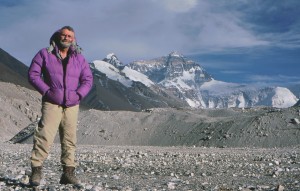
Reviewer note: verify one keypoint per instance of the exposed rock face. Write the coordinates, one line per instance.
(113, 59)
(172, 67)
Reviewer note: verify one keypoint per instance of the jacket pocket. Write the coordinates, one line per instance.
(54, 96)
(73, 97)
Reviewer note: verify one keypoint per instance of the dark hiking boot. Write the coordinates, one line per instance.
(68, 176)
(36, 176)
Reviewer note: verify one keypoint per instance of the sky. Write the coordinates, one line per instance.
(239, 41)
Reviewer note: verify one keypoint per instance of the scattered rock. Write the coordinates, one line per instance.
(295, 121)
(279, 188)
(128, 168)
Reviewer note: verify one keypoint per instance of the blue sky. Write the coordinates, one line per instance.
(242, 41)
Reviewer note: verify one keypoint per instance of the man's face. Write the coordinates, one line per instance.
(66, 38)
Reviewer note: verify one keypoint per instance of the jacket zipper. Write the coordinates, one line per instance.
(64, 65)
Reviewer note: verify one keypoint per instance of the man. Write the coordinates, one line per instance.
(63, 77)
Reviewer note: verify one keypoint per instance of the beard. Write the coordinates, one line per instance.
(65, 44)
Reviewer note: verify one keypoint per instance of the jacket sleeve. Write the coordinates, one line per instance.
(35, 74)
(85, 81)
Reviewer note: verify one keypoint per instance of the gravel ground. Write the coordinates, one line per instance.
(129, 168)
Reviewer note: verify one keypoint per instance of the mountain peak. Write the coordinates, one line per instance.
(111, 56)
(113, 59)
(175, 54)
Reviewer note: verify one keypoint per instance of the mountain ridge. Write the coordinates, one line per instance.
(191, 82)
(13, 70)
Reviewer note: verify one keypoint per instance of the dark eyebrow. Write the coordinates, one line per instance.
(66, 35)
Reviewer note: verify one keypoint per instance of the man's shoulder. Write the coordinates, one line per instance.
(43, 51)
(79, 56)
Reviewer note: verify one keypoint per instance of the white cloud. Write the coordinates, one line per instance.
(275, 79)
(232, 72)
(210, 30)
(178, 5)
(289, 39)
(132, 29)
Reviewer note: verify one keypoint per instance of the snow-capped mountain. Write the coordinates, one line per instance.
(126, 76)
(118, 87)
(174, 81)
(187, 80)
(217, 94)
(113, 59)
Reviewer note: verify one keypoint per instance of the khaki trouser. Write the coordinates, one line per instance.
(55, 118)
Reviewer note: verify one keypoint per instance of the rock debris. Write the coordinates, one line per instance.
(129, 168)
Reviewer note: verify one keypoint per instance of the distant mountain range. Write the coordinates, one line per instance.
(168, 81)
(187, 80)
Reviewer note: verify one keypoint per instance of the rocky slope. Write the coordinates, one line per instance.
(260, 127)
(19, 107)
(12, 70)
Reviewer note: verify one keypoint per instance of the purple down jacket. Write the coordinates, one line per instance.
(46, 74)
